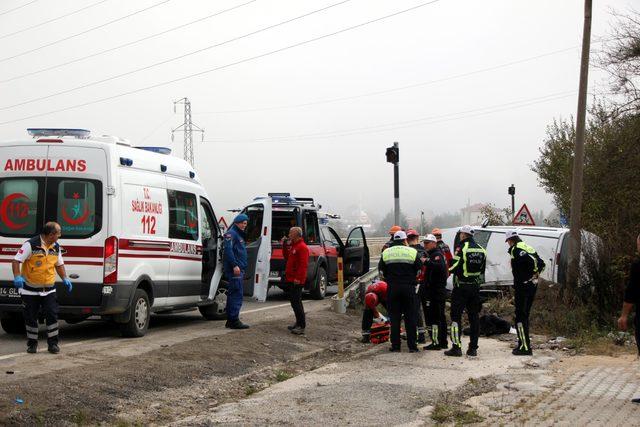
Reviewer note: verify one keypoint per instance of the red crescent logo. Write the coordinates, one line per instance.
(79, 220)
(4, 215)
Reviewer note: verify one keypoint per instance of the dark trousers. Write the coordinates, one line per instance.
(295, 296)
(234, 297)
(419, 314)
(33, 304)
(525, 293)
(402, 301)
(437, 319)
(465, 297)
(367, 319)
(425, 303)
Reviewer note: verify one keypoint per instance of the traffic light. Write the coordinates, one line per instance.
(393, 155)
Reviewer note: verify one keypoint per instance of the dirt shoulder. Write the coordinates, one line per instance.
(115, 382)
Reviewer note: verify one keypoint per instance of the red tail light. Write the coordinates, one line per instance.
(111, 260)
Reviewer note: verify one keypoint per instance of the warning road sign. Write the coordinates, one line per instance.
(223, 224)
(523, 217)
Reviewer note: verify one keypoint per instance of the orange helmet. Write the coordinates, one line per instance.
(436, 231)
(394, 229)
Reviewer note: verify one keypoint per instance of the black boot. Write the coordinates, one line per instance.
(421, 338)
(518, 352)
(365, 339)
(54, 349)
(32, 347)
(455, 351)
(292, 327)
(472, 352)
(236, 325)
(433, 346)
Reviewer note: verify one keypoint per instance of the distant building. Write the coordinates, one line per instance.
(472, 214)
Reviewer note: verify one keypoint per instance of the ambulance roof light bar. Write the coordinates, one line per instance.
(78, 133)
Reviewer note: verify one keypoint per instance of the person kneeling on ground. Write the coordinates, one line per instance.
(296, 255)
(376, 294)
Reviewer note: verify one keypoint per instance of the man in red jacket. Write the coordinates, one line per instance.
(296, 255)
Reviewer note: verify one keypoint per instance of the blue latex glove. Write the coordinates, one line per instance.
(19, 282)
(67, 283)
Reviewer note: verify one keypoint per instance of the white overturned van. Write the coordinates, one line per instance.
(139, 234)
(551, 243)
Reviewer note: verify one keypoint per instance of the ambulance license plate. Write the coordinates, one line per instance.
(9, 292)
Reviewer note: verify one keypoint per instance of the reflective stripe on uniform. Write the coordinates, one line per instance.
(523, 341)
(455, 334)
(434, 334)
(52, 326)
(466, 250)
(399, 255)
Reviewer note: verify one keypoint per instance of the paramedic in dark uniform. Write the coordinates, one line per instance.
(413, 240)
(399, 265)
(234, 262)
(41, 258)
(435, 284)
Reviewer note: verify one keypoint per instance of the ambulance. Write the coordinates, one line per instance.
(139, 234)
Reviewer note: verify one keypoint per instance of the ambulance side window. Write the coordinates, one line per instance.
(183, 215)
(19, 211)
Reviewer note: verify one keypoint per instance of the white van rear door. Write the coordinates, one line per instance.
(258, 238)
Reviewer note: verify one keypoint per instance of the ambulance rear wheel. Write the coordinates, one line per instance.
(320, 289)
(13, 324)
(140, 314)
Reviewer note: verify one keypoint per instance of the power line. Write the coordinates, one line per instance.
(166, 61)
(16, 8)
(410, 123)
(83, 32)
(73, 61)
(395, 89)
(211, 70)
(51, 20)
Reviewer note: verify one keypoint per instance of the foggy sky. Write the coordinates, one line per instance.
(462, 149)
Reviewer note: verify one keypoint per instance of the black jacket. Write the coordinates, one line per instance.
(400, 265)
(525, 262)
(469, 263)
(436, 276)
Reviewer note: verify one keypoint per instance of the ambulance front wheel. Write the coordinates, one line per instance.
(217, 310)
(140, 314)
(12, 323)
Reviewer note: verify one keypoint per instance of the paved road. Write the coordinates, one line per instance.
(98, 329)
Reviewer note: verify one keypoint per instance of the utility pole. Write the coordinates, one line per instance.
(393, 156)
(187, 128)
(575, 243)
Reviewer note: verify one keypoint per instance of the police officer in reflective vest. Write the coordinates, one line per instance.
(526, 266)
(468, 267)
(234, 264)
(413, 240)
(399, 265)
(41, 258)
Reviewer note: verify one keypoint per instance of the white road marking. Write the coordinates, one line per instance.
(73, 344)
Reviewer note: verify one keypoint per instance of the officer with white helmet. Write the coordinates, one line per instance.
(526, 266)
(399, 265)
(468, 267)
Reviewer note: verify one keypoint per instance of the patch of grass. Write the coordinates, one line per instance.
(81, 417)
(283, 375)
(501, 305)
(447, 412)
(250, 389)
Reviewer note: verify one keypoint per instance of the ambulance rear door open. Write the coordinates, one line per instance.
(258, 232)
